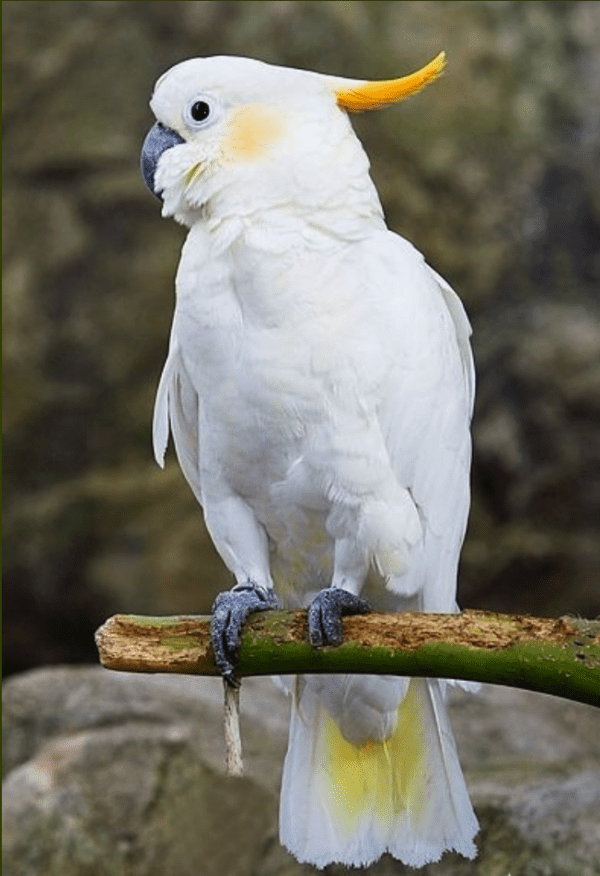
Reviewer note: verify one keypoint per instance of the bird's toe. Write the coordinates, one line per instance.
(230, 612)
(325, 615)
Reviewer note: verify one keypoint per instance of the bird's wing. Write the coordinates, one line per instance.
(463, 334)
(425, 414)
(176, 411)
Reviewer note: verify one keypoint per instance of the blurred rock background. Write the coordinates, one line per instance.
(493, 173)
(117, 774)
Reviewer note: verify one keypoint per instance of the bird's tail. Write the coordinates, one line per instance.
(400, 792)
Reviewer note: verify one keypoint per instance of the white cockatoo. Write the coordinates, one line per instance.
(319, 389)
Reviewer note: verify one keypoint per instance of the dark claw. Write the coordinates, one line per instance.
(230, 612)
(325, 615)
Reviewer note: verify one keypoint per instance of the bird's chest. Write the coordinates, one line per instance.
(264, 372)
(280, 352)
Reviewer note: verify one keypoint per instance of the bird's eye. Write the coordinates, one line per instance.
(200, 110)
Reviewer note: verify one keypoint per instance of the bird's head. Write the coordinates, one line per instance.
(237, 137)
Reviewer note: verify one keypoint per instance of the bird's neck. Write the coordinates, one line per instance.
(271, 228)
(267, 276)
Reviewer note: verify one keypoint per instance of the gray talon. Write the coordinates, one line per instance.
(325, 615)
(230, 612)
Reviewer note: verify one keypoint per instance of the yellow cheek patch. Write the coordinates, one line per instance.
(378, 779)
(252, 132)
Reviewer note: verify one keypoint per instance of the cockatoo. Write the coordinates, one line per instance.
(319, 390)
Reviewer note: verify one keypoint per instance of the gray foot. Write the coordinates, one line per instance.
(230, 612)
(325, 615)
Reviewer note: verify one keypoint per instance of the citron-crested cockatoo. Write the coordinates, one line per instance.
(319, 389)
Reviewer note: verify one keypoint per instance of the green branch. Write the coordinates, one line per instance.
(555, 656)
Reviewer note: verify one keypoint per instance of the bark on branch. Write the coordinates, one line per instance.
(557, 656)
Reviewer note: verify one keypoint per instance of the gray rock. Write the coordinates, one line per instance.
(109, 773)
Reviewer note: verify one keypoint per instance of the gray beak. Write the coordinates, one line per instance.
(157, 141)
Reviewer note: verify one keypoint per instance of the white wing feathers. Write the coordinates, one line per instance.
(161, 426)
(425, 418)
(176, 411)
(463, 333)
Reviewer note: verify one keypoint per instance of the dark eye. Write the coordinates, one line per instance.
(200, 111)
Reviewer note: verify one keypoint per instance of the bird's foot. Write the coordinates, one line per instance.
(230, 612)
(325, 615)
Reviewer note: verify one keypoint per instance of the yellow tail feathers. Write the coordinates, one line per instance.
(377, 779)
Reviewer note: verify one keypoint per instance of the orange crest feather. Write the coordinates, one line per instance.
(356, 96)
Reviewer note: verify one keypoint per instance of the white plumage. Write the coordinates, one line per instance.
(319, 388)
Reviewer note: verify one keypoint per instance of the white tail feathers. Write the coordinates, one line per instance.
(350, 803)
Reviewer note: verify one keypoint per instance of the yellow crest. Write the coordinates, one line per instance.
(356, 96)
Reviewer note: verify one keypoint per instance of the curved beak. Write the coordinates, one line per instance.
(158, 140)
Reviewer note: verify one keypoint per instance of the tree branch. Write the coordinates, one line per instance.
(557, 656)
